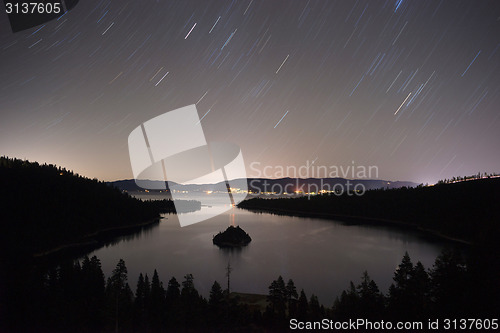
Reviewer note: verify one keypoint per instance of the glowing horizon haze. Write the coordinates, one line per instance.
(411, 87)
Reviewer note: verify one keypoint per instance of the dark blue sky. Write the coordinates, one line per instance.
(411, 87)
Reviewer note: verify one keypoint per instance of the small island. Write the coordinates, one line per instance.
(232, 237)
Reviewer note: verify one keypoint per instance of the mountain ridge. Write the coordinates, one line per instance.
(267, 184)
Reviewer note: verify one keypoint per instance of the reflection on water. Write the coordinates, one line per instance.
(321, 256)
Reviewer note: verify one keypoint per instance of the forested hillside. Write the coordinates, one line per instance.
(44, 206)
(466, 210)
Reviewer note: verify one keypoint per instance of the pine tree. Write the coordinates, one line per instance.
(216, 304)
(140, 304)
(119, 295)
(173, 290)
(156, 304)
(216, 297)
(173, 305)
(315, 309)
(371, 302)
(92, 287)
(302, 306)
(191, 302)
(277, 298)
(291, 297)
(409, 296)
(447, 280)
(347, 306)
(403, 272)
(419, 290)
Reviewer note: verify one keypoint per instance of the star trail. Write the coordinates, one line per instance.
(409, 86)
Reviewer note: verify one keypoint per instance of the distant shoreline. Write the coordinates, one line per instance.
(96, 238)
(358, 219)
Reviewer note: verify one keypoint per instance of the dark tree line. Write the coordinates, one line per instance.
(415, 294)
(48, 209)
(76, 296)
(466, 210)
(479, 175)
(447, 290)
(44, 207)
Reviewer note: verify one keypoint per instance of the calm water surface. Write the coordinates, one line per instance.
(321, 256)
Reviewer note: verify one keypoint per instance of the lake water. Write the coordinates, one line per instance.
(321, 256)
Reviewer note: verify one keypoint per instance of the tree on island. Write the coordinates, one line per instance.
(232, 237)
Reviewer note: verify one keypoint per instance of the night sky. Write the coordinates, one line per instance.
(409, 86)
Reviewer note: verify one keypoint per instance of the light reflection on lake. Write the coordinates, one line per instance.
(321, 256)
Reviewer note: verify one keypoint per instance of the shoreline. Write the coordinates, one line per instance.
(101, 236)
(360, 220)
(95, 238)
